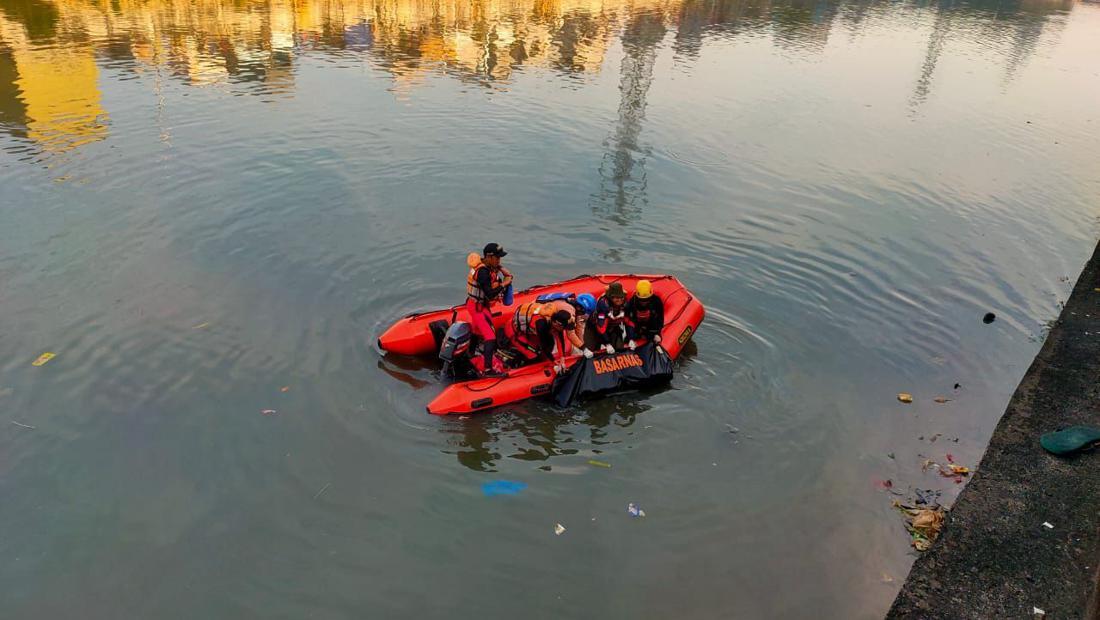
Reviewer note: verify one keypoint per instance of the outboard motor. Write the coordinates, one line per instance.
(456, 345)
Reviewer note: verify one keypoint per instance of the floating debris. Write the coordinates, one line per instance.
(42, 359)
(927, 497)
(559, 529)
(941, 400)
(924, 524)
(200, 325)
(21, 424)
(502, 487)
(634, 510)
(1048, 525)
(989, 318)
(950, 470)
(285, 388)
(905, 398)
(268, 411)
(596, 463)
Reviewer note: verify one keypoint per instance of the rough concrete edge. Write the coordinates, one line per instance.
(1092, 608)
(1019, 406)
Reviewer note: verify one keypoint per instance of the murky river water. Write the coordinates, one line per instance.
(211, 208)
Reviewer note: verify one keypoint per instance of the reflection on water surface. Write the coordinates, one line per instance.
(205, 202)
(52, 52)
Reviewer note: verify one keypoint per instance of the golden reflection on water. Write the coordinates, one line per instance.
(209, 41)
(53, 52)
(49, 79)
(50, 95)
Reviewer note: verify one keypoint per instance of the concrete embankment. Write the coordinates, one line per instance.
(995, 557)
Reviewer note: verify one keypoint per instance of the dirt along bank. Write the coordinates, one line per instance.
(997, 557)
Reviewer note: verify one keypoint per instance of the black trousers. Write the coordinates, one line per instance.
(615, 337)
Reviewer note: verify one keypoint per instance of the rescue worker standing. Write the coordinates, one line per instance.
(646, 312)
(485, 283)
(611, 329)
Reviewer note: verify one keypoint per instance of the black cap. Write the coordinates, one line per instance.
(493, 249)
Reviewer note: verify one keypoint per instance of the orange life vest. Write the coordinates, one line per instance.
(525, 324)
(527, 318)
(474, 291)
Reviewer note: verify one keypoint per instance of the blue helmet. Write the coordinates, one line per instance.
(587, 302)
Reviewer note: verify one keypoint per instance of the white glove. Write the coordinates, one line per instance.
(632, 345)
(560, 368)
(587, 354)
(608, 349)
(657, 338)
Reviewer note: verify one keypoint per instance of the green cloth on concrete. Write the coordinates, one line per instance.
(1070, 440)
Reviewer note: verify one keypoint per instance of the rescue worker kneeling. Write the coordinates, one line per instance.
(537, 330)
(646, 312)
(578, 308)
(610, 328)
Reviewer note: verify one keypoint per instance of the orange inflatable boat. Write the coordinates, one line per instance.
(412, 335)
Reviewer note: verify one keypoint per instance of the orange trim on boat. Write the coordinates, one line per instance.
(412, 336)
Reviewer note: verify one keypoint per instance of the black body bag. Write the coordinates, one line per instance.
(648, 366)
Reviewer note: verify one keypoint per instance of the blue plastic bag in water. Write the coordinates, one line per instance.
(502, 487)
(508, 299)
